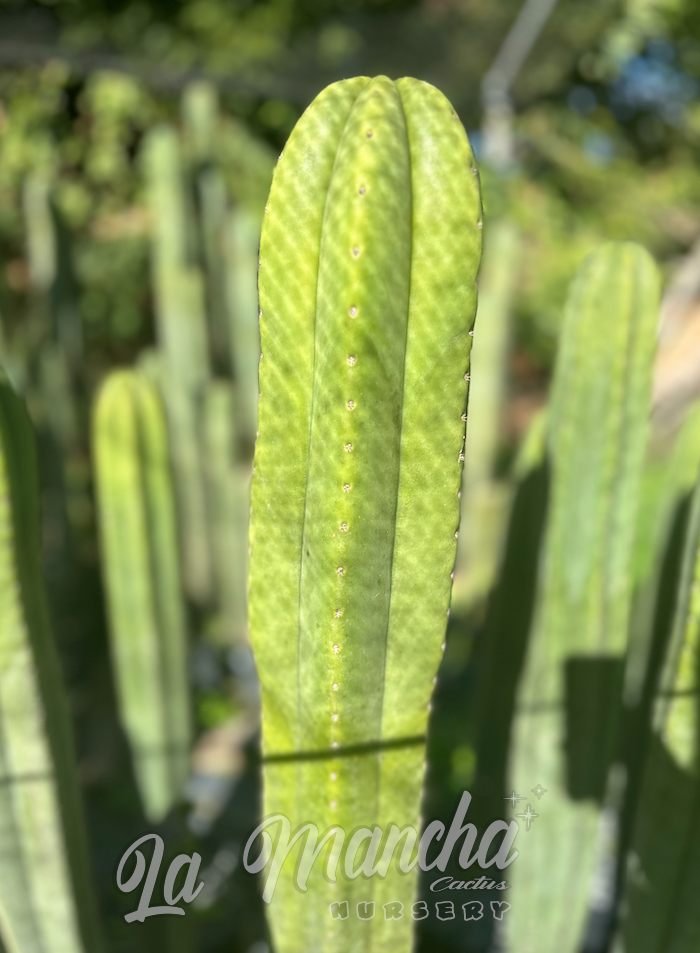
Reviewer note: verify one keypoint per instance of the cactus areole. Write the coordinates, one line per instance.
(368, 258)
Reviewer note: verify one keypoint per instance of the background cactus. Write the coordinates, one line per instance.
(659, 910)
(46, 902)
(184, 340)
(597, 421)
(228, 502)
(139, 545)
(368, 259)
(204, 256)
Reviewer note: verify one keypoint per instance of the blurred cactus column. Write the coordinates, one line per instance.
(139, 554)
(229, 236)
(484, 496)
(660, 909)
(228, 486)
(210, 200)
(56, 327)
(183, 336)
(46, 901)
(241, 245)
(229, 410)
(565, 733)
(48, 366)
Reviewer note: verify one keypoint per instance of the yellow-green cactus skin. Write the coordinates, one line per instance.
(370, 247)
(46, 902)
(139, 549)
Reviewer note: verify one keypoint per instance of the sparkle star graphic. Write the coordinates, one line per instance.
(528, 816)
(514, 798)
(539, 791)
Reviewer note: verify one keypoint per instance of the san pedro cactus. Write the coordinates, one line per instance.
(139, 550)
(662, 862)
(200, 115)
(571, 686)
(228, 485)
(369, 252)
(241, 248)
(184, 339)
(46, 904)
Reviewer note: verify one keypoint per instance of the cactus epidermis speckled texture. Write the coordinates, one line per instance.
(369, 253)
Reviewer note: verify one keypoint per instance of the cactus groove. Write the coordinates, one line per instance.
(46, 904)
(139, 549)
(369, 252)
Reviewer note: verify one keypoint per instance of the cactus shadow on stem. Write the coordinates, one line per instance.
(473, 709)
(657, 859)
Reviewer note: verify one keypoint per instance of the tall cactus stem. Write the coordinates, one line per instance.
(183, 337)
(598, 423)
(46, 902)
(370, 248)
(139, 547)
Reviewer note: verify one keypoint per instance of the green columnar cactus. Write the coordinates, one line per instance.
(663, 866)
(139, 549)
(46, 904)
(55, 333)
(228, 501)
(200, 116)
(242, 238)
(183, 337)
(484, 498)
(370, 248)
(667, 483)
(598, 425)
(229, 239)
